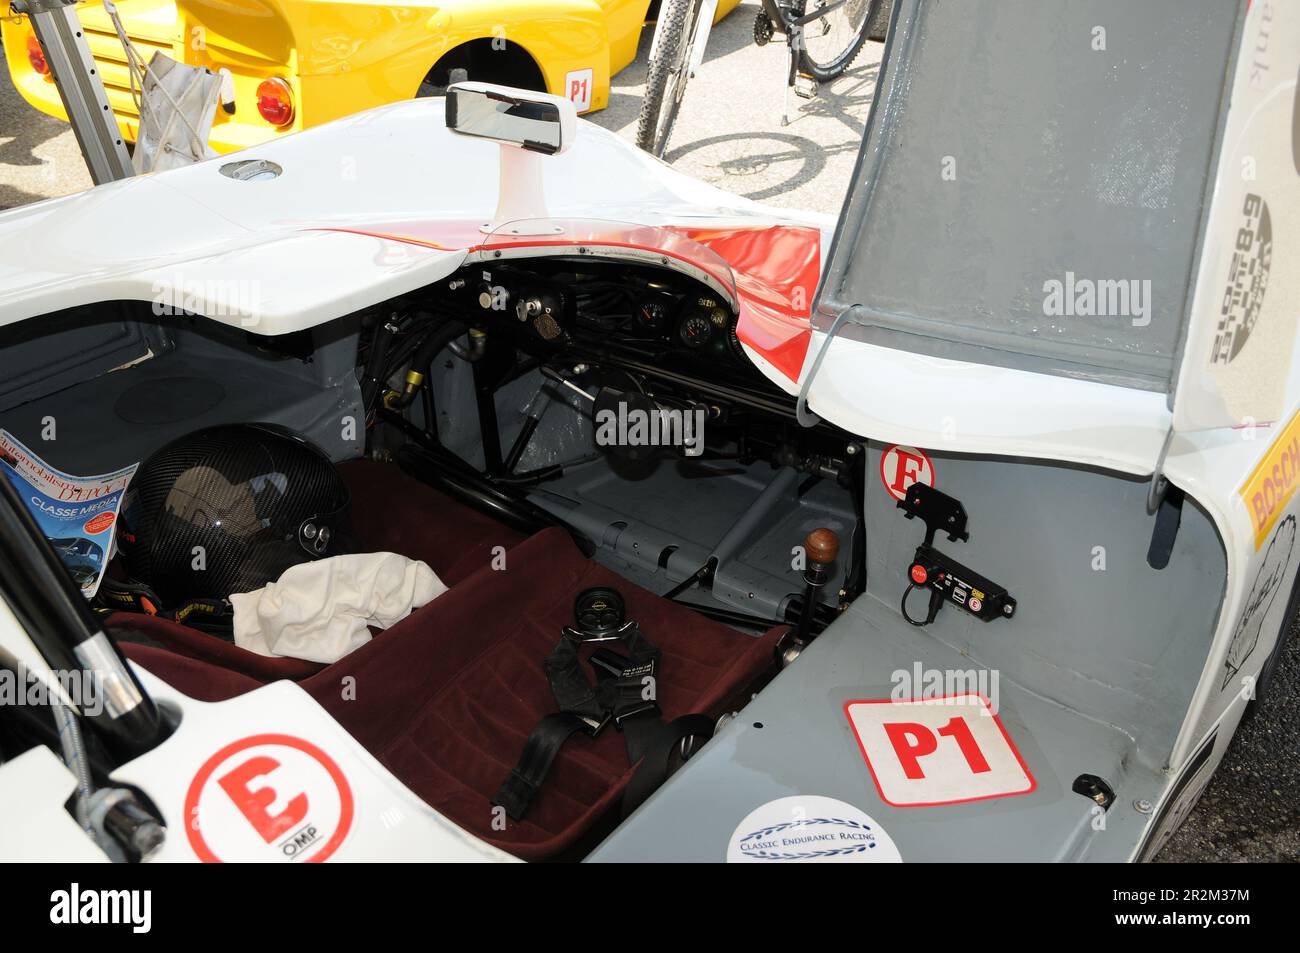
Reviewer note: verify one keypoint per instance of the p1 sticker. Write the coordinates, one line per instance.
(577, 86)
(268, 797)
(932, 751)
(810, 829)
(900, 467)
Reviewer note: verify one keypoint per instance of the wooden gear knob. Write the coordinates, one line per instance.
(822, 546)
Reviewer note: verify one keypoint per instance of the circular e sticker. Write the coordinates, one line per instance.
(268, 797)
(900, 467)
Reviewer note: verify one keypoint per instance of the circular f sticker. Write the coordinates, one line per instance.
(810, 829)
(268, 797)
(900, 467)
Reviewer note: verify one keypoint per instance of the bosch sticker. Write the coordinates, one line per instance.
(900, 467)
(1273, 482)
(268, 797)
(924, 752)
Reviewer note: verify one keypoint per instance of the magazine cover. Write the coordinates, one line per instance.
(76, 514)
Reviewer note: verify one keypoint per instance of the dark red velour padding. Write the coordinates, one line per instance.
(194, 677)
(392, 512)
(193, 644)
(447, 697)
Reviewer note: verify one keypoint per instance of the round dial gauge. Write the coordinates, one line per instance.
(652, 315)
(695, 330)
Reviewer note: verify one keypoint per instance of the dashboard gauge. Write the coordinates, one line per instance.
(696, 330)
(652, 315)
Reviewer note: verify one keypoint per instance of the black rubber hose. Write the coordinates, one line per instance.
(425, 352)
(374, 375)
(438, 339)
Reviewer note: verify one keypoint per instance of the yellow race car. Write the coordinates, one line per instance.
(300, 63)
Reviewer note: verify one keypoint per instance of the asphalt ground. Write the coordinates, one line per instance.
(730, 133)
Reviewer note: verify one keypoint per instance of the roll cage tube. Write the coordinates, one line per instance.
(70, 639)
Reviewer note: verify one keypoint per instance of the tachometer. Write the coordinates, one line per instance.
(696, 330)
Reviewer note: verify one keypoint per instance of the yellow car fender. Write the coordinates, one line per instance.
(340, 58)
(348, 56)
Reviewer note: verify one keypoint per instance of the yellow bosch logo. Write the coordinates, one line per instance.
(1272, 484)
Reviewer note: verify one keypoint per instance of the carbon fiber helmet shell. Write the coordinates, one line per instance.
(228, 509)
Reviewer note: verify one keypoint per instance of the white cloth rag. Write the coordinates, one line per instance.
(322, 610)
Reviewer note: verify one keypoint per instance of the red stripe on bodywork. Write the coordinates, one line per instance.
(775, 267)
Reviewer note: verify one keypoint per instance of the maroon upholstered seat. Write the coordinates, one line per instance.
(447, 697)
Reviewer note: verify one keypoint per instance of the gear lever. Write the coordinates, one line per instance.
(821, 546)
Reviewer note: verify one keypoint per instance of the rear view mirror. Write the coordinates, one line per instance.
(537, 122)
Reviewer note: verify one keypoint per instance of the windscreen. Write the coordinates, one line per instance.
(1031, 186)
(665, 246)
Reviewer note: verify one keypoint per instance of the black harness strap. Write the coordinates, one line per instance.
(543, 745)
(623, 694)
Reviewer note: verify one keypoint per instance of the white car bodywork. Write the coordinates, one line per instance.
(312, 238)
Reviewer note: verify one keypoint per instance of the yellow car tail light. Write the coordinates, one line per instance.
(36, 55)
(275, 101)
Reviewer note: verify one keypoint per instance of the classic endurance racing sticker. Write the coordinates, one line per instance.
(1247, 280)
(1262, 594)
(923, 752)
(268, 797)
(900, 467)
(810, 829)
(1272, 483)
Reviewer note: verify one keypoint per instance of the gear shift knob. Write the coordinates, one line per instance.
(822, 546)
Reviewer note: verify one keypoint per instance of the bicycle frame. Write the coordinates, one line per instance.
(783, 21)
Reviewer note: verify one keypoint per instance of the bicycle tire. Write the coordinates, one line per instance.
(825, 72)
(654, 127)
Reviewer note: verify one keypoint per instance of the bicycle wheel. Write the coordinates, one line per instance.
(666, 78)
(831, 41)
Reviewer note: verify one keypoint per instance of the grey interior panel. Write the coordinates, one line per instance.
(664, 526)
(1124, 644)
(794, 739)
(139, 384)
(1094, 674)
(951, 236)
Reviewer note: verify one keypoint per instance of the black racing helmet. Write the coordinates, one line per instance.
(257, 499)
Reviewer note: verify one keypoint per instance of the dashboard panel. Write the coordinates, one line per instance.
(652, 315)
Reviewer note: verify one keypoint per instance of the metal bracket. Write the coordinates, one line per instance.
(76, 76)
(1159, 485)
